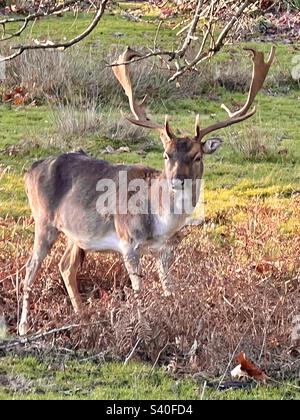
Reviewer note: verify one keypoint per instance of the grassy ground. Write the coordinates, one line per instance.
(232, 184)
(277, 115)
(226, 174)
(32, 379)
(19, 123)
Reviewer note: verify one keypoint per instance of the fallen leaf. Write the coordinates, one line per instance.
(18, 100)
(238, 373)
(19, 90)
(7, 97)
(250, 368)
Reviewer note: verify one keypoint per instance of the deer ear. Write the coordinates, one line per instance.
(211, 145)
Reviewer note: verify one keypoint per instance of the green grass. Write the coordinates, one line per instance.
(226, 173)
(18, 124)
(112, 31)
(32, 379)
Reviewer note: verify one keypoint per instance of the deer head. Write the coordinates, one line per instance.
(184, 155)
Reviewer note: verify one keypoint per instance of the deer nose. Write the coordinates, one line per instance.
(177, 183)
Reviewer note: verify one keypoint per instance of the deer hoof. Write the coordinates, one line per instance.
(23, 328)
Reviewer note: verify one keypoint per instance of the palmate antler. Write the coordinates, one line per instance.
(138, 110)
(259, 74)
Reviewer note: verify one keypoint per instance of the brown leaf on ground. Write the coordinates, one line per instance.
(250, 368)
(6, 97)
(18, 100)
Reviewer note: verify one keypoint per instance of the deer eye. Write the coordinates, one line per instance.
(166, 156)
(197, 158)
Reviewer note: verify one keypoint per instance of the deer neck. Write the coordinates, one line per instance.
(170, 207)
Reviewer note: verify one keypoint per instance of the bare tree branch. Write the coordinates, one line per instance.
(193, 26)
(204, 52)
(171, 54)
(9, 344)
(40, 13)
(209, 28)
(31, 17)
(204, 55)
(60, 45)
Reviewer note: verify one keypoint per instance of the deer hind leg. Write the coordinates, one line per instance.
(132, 263)
(164, 262)
(68, 266)
(45, 236)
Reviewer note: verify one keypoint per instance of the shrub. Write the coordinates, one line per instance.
(254, 143)
(78, 75)
(233, 75)
(80, 78)
(72, 123)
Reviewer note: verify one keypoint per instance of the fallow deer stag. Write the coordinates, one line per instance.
(64, 194)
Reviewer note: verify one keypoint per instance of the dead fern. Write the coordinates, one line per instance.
(230, 295)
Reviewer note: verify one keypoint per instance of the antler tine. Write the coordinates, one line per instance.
(122, 73)
(259, 74)
(197, 126)
(223, 124)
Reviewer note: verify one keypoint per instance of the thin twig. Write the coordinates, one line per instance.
(232, 357)
(158, 356)
(39, 14)
(132, 352)
(171, 54)
(203, 391)
(8, 344)
(156, 35)
(164, 4)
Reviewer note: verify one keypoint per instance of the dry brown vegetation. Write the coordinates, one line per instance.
(237, 290)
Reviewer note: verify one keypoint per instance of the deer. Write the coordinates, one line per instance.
(62, 193)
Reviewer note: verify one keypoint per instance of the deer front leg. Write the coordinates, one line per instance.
(165, 259)
(132, 263)
(45, 236)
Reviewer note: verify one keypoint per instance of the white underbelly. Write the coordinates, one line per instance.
(109, 242)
